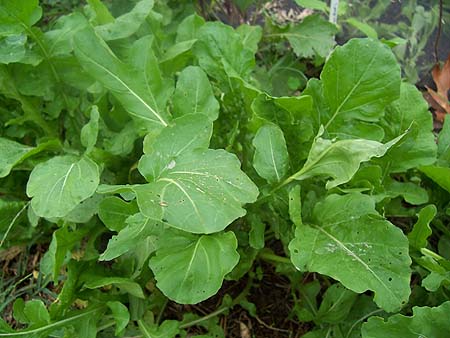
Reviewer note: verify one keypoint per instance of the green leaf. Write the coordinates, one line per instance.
(313, 37)
(32, 312)
(221, 52)
(440, 175)
(271, 159)
(84, 211)
(13, 48)
(336, 304)
(422, 230)
(194, 94)
(10, 215)
(11, 153)
(113, 212)
(58, 41)
(243, 4)
(425, 322)
(36, 312)
(359, 80)
(436, 279)
(122, 143)
(292, 115)
(138, 229)
(250, 36)
(192, 188)
(63, 241)
(257, 232)
(443, 150)
(93, 281)
(363, 27)
(89, 132)
(412, 193)
(418, 147)
(313, 4)
(185, 134)
(295, 205)
(342, 127)
(351, 243)
(200, 191)
(190, 268)
(188, 29)
(58, 185)
(143, 59)
(168, 329)
(18, 16)
(102, 14)
(120, 315)
(18, 311)
(341, 159)
(125, 83)
(176, 56)
(126, 24)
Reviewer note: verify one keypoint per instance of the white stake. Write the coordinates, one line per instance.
(334, 4)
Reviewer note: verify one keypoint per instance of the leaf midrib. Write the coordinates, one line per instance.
(132, 92)
(358, 259)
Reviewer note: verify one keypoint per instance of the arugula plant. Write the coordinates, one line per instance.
(146, 148)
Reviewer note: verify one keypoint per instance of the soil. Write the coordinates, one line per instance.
(272, 298)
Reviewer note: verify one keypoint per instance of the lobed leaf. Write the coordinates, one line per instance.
(341, 159)
(313, 37)
(425, 322)
(418, 147)
(422, 230)
(137, 229)
(351, 243)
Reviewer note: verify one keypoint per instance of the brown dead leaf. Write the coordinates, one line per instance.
(441, 78)
(245, 331)
(10, 253)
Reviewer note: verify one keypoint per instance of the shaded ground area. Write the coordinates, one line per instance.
(272, 298)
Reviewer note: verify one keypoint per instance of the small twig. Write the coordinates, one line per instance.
(438, 35)
(270, 327)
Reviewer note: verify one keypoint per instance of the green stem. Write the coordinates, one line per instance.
(12, 223)
(208, 316)
(104, 327)
(271, 257)
(62, 322)
(223, 309)
(161, 312)
(433, 254)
